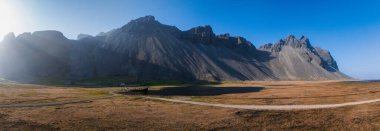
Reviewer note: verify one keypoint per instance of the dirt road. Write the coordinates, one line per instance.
(267, 107)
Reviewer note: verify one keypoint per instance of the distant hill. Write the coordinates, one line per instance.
(145, 49)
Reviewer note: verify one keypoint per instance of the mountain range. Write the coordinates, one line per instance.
(145, 49)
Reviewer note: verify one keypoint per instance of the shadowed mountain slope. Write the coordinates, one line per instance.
(145, 49)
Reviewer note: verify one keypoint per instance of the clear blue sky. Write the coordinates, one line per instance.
(349, 29)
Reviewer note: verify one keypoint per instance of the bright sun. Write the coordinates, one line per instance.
(8, 18)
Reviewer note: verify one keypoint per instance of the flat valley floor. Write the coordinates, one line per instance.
(103, 110)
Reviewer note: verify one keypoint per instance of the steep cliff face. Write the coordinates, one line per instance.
(145, 49)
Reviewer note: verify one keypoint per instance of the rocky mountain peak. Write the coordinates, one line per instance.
(49, 34)
(144, 24)
(24, 35)
(200, 34)
(291, 41)
(305, 40)
(234, 41)
(148, 18)
(202, 31)
(82, 36)
(9, 37)
(303, 46)
(303, 37)
(289, 37)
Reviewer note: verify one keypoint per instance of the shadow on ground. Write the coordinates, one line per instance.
(202, 91)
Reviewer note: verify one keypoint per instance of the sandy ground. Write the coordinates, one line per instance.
(133, 113)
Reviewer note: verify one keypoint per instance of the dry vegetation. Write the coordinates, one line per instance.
(25, 94)
(128, 112)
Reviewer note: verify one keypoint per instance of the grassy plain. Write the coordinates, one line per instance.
(134, 113)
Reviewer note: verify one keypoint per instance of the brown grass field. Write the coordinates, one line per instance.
(135, 113)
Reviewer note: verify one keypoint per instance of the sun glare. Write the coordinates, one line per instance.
(7, 18)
